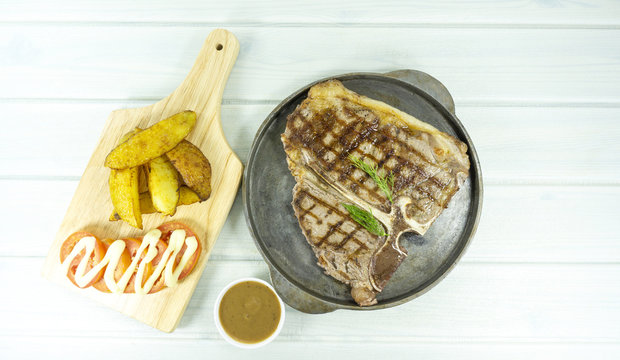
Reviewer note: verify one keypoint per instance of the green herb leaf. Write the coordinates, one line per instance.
(366, 219)
(385, 182)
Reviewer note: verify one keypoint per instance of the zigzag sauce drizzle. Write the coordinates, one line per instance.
(113, 255)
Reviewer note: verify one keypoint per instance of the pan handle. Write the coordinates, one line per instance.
(428, 84)
(299, 300)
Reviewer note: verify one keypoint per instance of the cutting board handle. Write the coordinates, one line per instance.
(204, 85)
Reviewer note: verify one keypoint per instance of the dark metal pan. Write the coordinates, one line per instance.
(267, 196)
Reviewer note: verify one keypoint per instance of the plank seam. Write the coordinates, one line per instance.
(258, 259)
(554, 182)
(18, 177)
(352, 339)
(388, 25)
(249, 102)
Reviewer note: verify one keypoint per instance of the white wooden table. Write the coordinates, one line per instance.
(536, 83)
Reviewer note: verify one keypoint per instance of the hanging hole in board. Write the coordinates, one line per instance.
(219, 47)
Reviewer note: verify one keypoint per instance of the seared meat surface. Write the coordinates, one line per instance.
(428, 166)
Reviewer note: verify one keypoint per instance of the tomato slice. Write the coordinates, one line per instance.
(123, 264)
(95, 258)
(159, 283)
(132, 246)
(166, 230)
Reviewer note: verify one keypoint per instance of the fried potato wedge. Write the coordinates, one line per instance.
(187, 196)
(193, 166)
(143, 183)
(125, 196)
(146, 203)
(152, 142)
(128, 135)
(163, 185)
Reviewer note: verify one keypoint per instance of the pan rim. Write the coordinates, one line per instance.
(468, 232)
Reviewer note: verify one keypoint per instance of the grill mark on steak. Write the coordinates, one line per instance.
(385, 159)
(403, 181)
(428, 166)
(331, 230)
(418, 156)
(347, 258)
(318, 128)
(322, 124)
(348, 236)
(402, 164)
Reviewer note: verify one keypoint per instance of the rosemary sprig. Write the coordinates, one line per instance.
(385, 182)
(366, 219)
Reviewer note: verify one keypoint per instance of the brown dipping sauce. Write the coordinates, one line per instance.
(249, 312)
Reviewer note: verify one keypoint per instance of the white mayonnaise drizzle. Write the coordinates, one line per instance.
(115, 251)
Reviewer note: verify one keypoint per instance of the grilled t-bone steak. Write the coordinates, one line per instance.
(428, 166)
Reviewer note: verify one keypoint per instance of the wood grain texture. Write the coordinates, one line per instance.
(536, 83)
(550, 212)
(477, 302)
(565, 144)
(497, 65)
(430, 350)
(91, 205)
(390, 12)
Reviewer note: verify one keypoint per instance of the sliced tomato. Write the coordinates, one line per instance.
(132, 245)
(159, 283)
(95, 258)
(166, 230)
(121, 267)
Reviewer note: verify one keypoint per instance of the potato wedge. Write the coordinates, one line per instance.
(125, 196)
(122, 177)
(193, 166)
(143, 182)
(128, 135)
(152, 142)
(146, 207)
(163, 185)
(187, 196)
(146, 203)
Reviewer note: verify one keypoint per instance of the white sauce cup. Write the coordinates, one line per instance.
(218, 322)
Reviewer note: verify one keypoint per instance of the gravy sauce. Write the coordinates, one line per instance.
(249, 312)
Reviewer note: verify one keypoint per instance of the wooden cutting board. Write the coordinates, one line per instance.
(91, 205)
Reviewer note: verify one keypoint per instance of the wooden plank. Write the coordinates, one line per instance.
(91, 205)
(57, 348)
(564, 224)
(550, 212)
(594, 12)
(562, 147)
(62, 135)
(52, 198)
(138, 62)
(490, 303)
(556, 145)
